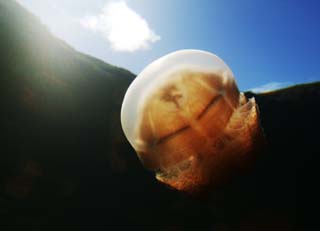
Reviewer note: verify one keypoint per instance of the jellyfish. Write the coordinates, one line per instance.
(189, 123)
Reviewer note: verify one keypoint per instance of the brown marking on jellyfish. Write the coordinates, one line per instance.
(171, 94)
(171, 135)
(211, 104)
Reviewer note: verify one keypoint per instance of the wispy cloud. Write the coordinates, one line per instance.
(125, 29)
(270, 87)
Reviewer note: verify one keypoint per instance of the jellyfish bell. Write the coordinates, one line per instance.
(188, 122)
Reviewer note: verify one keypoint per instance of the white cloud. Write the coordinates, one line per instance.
(123, 27)
(270, 87)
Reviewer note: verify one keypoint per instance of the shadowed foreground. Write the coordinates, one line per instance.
(89, 184)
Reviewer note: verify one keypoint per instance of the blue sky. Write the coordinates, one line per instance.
(267, 43)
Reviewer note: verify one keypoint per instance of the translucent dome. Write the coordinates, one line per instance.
(156, 73)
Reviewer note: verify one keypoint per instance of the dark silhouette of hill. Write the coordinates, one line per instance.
(65, 164)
